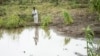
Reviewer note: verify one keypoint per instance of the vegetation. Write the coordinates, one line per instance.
(15, 16)
(45, 21)
(13, 21)
(95, 5)
(22, 10)
(67, 18)
(1, 22)
(2, 11)
(89, 35)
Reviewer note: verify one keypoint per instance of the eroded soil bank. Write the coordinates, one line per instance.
(82, 18)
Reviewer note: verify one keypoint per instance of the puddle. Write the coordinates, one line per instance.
(34, 41)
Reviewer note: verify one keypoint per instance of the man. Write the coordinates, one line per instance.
(35, 15)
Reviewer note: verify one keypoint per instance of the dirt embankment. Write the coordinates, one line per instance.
(82, 18)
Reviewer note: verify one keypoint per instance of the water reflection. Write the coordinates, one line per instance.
(31, 42)
(14, 33)
(66, 41)
(36, 38)
(47, 31)
(1, 32)
(97, 47)
(78, 54)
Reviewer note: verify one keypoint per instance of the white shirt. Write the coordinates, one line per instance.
(35, 16)
(35, 13)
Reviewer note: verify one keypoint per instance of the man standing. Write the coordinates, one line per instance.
(35, 15)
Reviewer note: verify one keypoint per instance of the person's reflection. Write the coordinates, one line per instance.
(36, 35)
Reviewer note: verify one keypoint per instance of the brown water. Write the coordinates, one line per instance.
(34, 41)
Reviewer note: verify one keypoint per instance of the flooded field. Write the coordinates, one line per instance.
(34, 41)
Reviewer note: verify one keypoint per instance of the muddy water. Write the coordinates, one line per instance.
(34, 41)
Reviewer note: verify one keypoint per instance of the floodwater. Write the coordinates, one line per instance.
(34, 41)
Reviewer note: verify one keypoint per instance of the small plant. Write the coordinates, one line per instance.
(67, 18)
(45, 21)
(89, 35)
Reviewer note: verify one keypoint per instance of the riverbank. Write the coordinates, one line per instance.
(16, 16)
